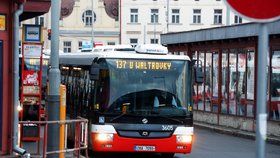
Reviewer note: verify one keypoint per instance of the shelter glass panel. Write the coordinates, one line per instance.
(195, 87)
(275, 86)
(201, 86)
(208, 81)
(250, 83)
(241, 81)
(215, 72)
(232, 83)
(225, 85)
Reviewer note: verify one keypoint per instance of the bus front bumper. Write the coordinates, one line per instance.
(116, 143)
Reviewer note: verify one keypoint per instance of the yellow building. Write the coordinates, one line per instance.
(88, 21)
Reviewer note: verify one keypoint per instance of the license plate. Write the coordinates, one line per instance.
(144, 148)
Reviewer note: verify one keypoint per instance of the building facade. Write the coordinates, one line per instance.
(144, 21)
(86, 20)
(139, 21)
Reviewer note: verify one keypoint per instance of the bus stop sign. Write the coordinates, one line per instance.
(257, 10)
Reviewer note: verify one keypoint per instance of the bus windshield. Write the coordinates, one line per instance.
(144, 87)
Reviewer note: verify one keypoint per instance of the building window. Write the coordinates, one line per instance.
(134, 15)
(39, 20)
(218, 18)
(154, 15)
(237, 19)
(197, 16)
(175, 16)
(154, 41)
(87, 17)
(133, 42)
(67, 46)
(80, 45)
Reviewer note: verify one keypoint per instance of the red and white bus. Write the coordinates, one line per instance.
(136, 101)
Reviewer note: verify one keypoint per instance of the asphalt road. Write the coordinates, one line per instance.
(209, 144)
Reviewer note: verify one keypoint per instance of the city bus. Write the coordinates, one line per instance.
(136, 101)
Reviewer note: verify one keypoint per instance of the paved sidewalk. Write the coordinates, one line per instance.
(235, 132)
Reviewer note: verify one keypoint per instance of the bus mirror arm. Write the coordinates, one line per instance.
(94, 72)
(198, 73)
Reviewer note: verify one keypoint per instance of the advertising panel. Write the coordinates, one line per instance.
(32, 50)
(87, 45)
(2, 22)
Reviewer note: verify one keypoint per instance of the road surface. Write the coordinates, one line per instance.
(209, 144)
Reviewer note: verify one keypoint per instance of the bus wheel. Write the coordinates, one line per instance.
(167, 155)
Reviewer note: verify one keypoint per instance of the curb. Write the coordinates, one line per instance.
(235, 132)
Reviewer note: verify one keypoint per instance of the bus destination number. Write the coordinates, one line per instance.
(143, 65)
(167, 127)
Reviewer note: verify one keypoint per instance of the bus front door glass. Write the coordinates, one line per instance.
(275, 86)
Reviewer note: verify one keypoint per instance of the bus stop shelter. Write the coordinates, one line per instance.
(228, 56)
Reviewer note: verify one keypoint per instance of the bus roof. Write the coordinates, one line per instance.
(87, 58)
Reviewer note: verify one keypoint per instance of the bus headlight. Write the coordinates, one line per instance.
(102, 137)
(184, 139)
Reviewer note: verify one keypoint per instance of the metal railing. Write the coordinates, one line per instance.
(75, 130)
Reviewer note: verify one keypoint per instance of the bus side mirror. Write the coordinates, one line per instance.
(94, 72)
(198, 73)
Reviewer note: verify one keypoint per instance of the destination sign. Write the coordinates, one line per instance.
(143, 65)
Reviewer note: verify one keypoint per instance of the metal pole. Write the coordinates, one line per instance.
(54, 80)
(262, 91)
(92, 33)
(17, 13)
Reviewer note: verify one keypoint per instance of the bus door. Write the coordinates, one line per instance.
(1, 88)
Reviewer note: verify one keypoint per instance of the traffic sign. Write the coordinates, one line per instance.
(257, 10)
